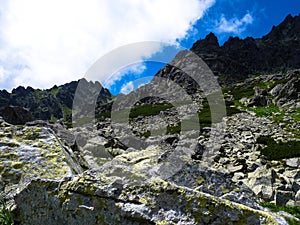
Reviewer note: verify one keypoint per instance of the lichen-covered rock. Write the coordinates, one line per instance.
(95, 199)
(30, 152)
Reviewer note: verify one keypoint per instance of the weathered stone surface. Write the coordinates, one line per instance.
(96, 199)
(294, 162)
(29, 152)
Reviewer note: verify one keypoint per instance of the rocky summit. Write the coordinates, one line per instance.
(188, 154)
(237, 58)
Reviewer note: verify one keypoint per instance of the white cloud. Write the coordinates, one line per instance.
(233, 25)
(137, 68)
(3, 74)
(126, 88)
(49, 42)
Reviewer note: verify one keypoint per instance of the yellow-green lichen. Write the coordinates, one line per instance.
(200, 180)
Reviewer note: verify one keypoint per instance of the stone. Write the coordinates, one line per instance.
(260, 182)
(233, 169)
(282, 197)
(95, 199)
(238, 176)
(293, 162)
(32, 152)
(297, 197)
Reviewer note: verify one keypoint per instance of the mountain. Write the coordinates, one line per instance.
(51, 104)
(164, 163)
(238, 58)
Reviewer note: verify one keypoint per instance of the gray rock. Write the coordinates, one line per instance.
(294, 162)
(282, 197)
(107, 200)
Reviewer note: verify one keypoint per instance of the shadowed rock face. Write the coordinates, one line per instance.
(15, 115)
(238, 58)
(54, 103)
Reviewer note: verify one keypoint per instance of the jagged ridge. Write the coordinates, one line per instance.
(237, 58)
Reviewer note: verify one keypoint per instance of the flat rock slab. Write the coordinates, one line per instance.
(88, 199)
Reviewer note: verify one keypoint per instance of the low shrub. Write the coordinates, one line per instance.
(149, 109)
(280, 150)
(239, 92)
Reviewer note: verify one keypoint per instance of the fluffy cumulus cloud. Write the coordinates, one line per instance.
(233, 25)
(49, 42)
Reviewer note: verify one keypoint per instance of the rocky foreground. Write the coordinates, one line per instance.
(45, 186)
(90, 175)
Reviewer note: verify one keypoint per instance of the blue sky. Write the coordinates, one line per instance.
(264, 13)
(40, 50)
(240, 18)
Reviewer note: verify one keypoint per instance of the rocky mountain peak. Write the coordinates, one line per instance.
(210, 43)
(239, 58)
(289, 28)
(212, 39)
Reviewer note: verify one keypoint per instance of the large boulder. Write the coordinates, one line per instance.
(32, 152)
(97, 199)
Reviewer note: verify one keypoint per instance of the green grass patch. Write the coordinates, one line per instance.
(103, 114)
(53, 119)
(5, 214)
(66, 112)
(282, 81)
(239, 92)
(54, 91)
(278, 118)
(149, 109)
(204, 118)
(266, 111)
(263, 85)
(174, 129)
(280, 150)
(296, 115)
(143, 110)
(39, 94)
(146, 134)
(295, 211)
